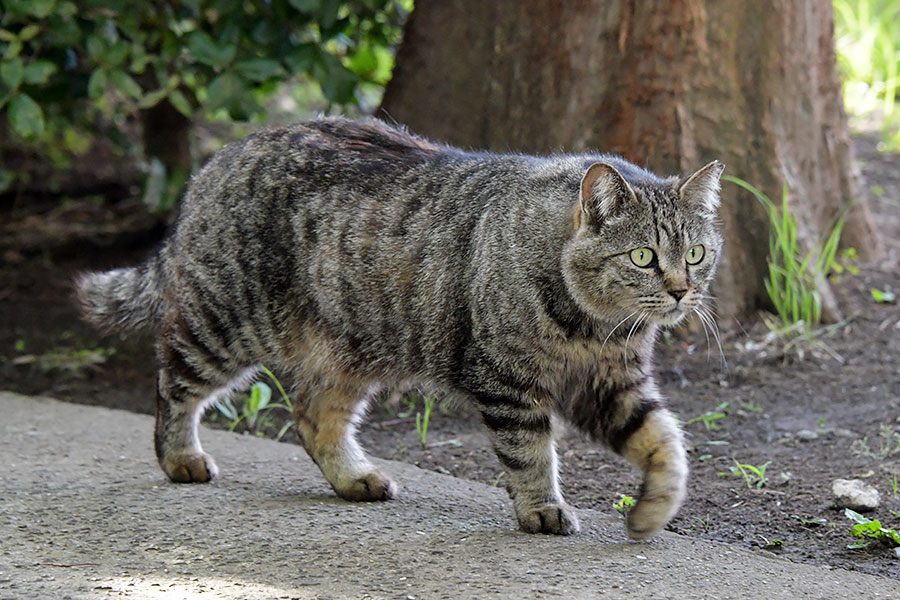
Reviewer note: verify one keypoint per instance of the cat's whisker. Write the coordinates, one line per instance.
(709, 306)
(704, 312)
(613, 330)
(705, 330)
(641, 317)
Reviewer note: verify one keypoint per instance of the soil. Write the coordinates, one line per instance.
(810, 412)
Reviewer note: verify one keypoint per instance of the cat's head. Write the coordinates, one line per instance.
(645, 248)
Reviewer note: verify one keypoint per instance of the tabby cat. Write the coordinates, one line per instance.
(353, 255)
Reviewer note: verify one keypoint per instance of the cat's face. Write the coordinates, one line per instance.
(644, 251)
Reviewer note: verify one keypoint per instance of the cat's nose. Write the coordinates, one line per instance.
(677, 294)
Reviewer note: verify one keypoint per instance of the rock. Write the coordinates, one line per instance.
(845, 433)
(806, 435)
(855, 495)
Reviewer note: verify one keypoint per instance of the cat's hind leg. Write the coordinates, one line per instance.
(195, 369)
(328, 414)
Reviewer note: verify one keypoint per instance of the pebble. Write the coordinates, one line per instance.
(855, 495)
(845, 433)
(806, 435)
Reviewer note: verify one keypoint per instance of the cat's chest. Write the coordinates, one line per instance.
(575, 365)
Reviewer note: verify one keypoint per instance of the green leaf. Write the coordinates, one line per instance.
(33, 8)
(26, 116)
(229, 91)
(12, 72)
(225, 407)
(66, 9)
(28, 32)
(181, 103)
(125, 84)
(269, 32)
(263, 393)
(227, 7)
(152, 98)
(39, 71)
(364, 60)
(223, 88)
(117, 54)
(97, 84)
(95, 46)
(855, 516)
(251, 406)
(337, 81)
(301, 58)
(206, 51)
(259, 69)
(883, 297)
(305, 6)
(13, 49)
(328, 13)
(61, 32)
(40, 8)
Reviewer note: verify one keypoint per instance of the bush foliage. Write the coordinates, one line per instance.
(62, 62)
(867, 38)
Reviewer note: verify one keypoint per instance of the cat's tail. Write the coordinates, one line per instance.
(123, 300)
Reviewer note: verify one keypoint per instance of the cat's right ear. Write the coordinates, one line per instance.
(603, 191)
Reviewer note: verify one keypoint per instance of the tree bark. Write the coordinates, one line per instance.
(166, 137)
(668, 84)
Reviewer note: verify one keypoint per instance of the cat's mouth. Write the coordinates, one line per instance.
(672, 316)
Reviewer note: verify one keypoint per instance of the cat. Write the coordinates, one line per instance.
(353, 255)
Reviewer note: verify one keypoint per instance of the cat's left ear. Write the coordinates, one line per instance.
(702, 188)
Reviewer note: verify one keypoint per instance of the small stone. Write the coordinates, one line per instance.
(897, 552)
(845, 433)
(806, 435)
(855, 495)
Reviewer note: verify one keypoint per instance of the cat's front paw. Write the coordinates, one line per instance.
(558, 518)
(652, 512)
(371, 486)
(190, 467)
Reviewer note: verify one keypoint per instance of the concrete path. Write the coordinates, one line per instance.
(86, 513)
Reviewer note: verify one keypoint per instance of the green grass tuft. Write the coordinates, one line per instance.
(792, 279)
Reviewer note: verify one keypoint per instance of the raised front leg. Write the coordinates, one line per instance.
(520, 431)
(633, 421)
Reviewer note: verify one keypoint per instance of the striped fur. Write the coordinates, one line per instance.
(352, 255)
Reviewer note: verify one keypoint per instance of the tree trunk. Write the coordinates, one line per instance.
(166, 137)
(669, 84)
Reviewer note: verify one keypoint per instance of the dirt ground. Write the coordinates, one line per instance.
(835, 413)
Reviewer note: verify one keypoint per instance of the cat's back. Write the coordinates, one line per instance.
(312, 156)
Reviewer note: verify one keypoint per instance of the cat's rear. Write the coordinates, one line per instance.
(249, 275)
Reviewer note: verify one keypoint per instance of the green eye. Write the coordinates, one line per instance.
(642, 257)
(694, 254)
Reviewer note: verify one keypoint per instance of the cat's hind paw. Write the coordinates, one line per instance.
(190, 467)
(557, 518)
